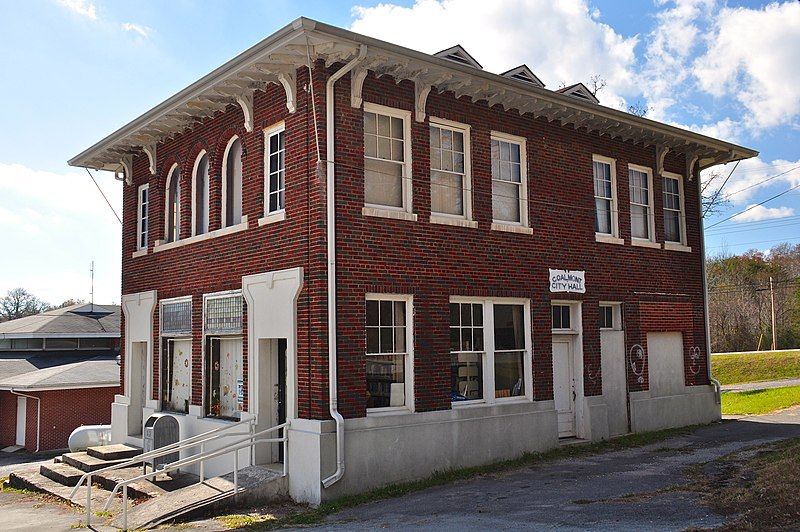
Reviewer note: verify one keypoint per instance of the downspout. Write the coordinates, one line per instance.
(707, 319)
(331, 215)
(38, 413)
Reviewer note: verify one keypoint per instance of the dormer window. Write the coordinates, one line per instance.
(457, 54)
(524, 74)
(579, 91)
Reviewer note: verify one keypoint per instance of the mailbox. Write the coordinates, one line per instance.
(159, 431)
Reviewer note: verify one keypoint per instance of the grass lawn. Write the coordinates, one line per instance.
(756, 367)
(760, 401)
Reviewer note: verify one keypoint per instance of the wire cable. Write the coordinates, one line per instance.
(104, 195)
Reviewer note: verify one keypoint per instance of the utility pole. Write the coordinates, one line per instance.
(774, 330)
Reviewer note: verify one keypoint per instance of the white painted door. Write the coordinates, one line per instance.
(138, 386)
(564, 386)
(22, 413)
(181, 375)
(612, 353)
(665, 363)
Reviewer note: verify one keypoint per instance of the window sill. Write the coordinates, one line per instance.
(139, 253)
(508, 228)
(199, 238)
(675, 246)
(642, 243)
(386, 213)
(388, 411)
(458, 222)
(468, 404)
(608, 239)
(272, 218)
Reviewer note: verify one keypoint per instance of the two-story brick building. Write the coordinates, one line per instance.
(420, 264)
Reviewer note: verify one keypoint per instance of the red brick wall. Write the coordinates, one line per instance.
(62, 411)
(432, 262)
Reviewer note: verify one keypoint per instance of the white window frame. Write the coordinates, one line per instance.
(142, 220)
(168, 203)
(269, 132)
(171, 337)
(466, 183)
(682, 214)
(616, 315)
(487, 387)
(204, 353)
(207, 214)
(613, 236)
(574, 326)
(489, 350)
(523, 194)
(406, 178)
(225, 191)
(408, 368)
(651, 219)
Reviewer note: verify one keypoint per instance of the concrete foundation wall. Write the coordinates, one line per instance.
(696, 405)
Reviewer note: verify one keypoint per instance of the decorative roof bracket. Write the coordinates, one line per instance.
(421, 91)
(289, 81)
(127, 168)
(661, 152)
(150, 151)
(245, 101)
(357, 77)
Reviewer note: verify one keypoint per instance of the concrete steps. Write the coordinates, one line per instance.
(62, 473)
(33, 481)
(114, 452)
(87, 463)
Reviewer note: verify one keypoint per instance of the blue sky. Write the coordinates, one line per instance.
(75, 70)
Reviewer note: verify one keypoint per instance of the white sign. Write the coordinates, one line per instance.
(568, 281)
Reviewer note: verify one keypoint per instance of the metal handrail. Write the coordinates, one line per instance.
(188, 443)
(248, 442)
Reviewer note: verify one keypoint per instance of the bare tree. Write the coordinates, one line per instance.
(19, 303)
(69, 302)
(713, 199)
(639, 108)
(597, 83)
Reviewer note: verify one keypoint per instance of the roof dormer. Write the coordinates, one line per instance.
(579, 91)
(523, 73)
(457, 54)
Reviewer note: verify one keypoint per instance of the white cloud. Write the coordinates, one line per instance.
(80, 7)
(53, 226)
(752, 56)
(142, 31)
(756, 213)
(560, 41)
(751, 176)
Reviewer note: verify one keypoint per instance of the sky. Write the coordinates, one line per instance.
(75, 70)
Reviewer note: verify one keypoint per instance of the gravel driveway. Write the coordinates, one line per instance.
(622, 490)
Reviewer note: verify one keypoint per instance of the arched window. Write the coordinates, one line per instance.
(200, 195)
(232, 183)
(173, 205)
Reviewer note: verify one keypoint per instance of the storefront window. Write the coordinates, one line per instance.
(466, 351)
(509, 340)
(387, 352)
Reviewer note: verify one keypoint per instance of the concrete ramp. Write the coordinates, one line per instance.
(256, 483)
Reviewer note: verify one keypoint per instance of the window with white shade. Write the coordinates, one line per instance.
(173, 206)
(200, 195)
(449, 159)
(232, 183)
(605, 196)
(389, 378)
(387, 175)
(509, 201)
(674, 218)
(142, 225)
(490, 350)
(640, 181)
(276, 169)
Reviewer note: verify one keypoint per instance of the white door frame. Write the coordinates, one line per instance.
(22, 420)
(575, 334)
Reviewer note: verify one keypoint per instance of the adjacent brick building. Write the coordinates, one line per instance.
(512, 265)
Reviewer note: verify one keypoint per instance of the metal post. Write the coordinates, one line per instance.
(88, 501)
(774, 330)
(252, 429)
(125, 507)
(235, 472)
(285, 450)
(202, 463)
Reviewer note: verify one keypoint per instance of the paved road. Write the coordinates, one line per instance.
(616, 490)
(748, 386)
(23, 460)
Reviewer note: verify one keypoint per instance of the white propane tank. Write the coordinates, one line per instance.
(89, 436)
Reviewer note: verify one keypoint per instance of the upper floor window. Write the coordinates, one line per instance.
(200, 195)
(173, 205)
(389, 348)
(641, 192)
(274, 139)
(232, 183)
(674, 218)
(387, 157)
(509, 180)
(605, 195)
(141, 216)
(450, 180)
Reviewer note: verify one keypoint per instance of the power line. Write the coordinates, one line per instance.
(756, 242)
(751, 207)
(766, 180)
(104, 195)
(716, 194)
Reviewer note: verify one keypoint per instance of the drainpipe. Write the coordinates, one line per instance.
(707, 320)
(38, 413)
(331, 214)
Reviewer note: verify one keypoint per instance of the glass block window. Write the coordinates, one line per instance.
(224, 314)
(176, 318)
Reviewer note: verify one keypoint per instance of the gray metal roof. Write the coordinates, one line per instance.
(52, 371)
(73, 321)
